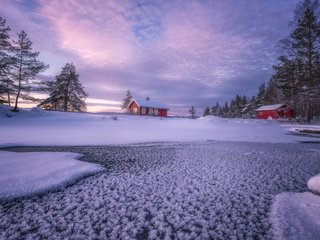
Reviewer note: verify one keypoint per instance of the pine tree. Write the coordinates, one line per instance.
(298, 70)
(261, 95)
(6, 61)
(192, 111)
(288, 79)
(271, 96)
(215, 110)
(66, 93)
(206, 111)
(225, 110)
(126, 100)
(26, 68)
(305, 41)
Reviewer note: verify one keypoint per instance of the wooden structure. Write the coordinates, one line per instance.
(148, 107)
(275, 111)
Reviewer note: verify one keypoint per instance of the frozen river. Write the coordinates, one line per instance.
(217, 190)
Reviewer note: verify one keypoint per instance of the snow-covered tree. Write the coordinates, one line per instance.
(66, 92)
(26, 67)
(298, 70)
(126, 100)
(260, 97)
(6, 61)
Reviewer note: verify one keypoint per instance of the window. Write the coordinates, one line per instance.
(156, 112)
(143, 110)
(150, 111)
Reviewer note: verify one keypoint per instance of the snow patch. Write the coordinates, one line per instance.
(296, 216)
(28, 173)
(314, 184)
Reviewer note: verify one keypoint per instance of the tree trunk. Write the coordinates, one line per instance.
(15, 109)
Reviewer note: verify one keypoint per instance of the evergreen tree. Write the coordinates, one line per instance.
(305, 40)
(26, 68)
(297, 73)
(225, 110)
(126, 100)
(206, 111)
(271, 96)
(261, 95)
(192, 111)
(215, 110)
(66, 93)
(6, 61)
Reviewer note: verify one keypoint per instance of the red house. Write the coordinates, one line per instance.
(275, 111)
(148, 107)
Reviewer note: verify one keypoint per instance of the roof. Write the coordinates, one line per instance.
(149, 103)
(270, 107)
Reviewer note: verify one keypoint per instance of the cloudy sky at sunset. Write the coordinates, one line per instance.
(179, 52)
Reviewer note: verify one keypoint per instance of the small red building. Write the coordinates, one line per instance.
(148, 107)
(275, 111)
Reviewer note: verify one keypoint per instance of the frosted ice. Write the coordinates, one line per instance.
(197, 190)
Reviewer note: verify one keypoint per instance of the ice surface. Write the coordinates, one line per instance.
(33, 128)
(167, 191)
(28, 173)
(296, 216)
(314, 184)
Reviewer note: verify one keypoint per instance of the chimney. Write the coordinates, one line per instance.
(147, 98)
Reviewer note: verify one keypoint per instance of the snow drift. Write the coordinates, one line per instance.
(24, 174)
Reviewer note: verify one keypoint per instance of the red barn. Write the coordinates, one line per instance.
(148, 107)
(275, 111)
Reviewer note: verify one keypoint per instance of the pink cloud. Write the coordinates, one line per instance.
(92, 30)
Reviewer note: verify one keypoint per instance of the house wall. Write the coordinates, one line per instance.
(163, 112)
(267, 113)
(289, 113)
(133, 106)
(276, 114)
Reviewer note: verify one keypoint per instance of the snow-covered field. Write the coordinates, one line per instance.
(206, 177)
(222, 190)
(23, 174)
(40, 128)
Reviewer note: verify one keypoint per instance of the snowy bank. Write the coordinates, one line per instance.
(314, 184)
(306, 130)
(36, 128)
(34, 172)
(296, 216)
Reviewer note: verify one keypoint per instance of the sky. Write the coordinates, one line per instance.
(182, 53)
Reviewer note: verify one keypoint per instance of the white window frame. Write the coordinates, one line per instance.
(156, 111)
(150, 111)
(143, 110)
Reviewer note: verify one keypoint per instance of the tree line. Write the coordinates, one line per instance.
(296, 78)
(242, 106)
(19, 68)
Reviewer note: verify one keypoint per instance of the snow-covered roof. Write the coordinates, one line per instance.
(149, 103)
(270, 107)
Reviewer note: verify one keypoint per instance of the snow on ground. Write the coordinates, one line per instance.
(296, 216)
(314, 184)
(29, 173)
(305, 130)
(222, 190)
(36, 127)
